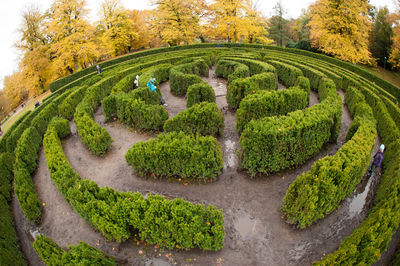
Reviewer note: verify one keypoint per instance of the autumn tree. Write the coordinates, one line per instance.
(340, 28)
(394, 57)
(116, 27)
(15, 87)
(72, 36)
(279, 29)
(34, 44)
(140, 20)
(239, 19)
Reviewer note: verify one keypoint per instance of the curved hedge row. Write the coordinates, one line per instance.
(67, 108)
(255, 66)
(115, 214)
(231, 70)
(265, 103)
(287, 74)
(241, 87)
(199, 92)
(3, 140)
(203, 118)
(177, 155)
(82, 254)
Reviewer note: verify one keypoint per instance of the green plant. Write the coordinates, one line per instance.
(177, 155)
(67, 108)
(231, 70)
(203, 118)
(199, 92)
(287, 74)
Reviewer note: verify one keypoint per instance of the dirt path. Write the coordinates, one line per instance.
(255, 232)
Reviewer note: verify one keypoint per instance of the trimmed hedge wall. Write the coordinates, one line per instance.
(126, 84)
(26, 155)
(41, 121)
(182, 76)
(266, 103)
(82, 254)
(255, 67)
(6, 174)
(287, 74)
(199, 92)
(177, 155)
(203, 118)
(231, 70)
(315, 194)
(115, 214)
(241, 87)
(159, 72)
(275, 143)
(3, 140)
(67, 108)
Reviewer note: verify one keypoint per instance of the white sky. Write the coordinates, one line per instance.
(11, 10)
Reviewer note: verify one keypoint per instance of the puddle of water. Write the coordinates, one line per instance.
(358, 201)
(245, 225)
(231, 158)
(157, 262)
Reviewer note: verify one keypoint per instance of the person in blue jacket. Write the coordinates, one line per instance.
(378, 158)
(151, 84)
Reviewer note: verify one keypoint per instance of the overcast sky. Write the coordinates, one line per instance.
(11, 10)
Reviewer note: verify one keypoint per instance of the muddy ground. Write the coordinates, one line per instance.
(256, 234)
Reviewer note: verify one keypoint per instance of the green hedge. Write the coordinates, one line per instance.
(266, 103)
(255, 66)
(41, 120)
(26, 156)
(199, 92)
(172, 224)
(82, 254)
(3, 140)
(61, 125)
(126, 84)
(159, 72)
(177, 155)
(304, 84)
(287, 74)
(182, 76)
(17, 132)
(315, 194)
(241, 87)
(10, 253)
(275, 143)
(203, 118)
(231, 70)
(6, 174)
(67, 108)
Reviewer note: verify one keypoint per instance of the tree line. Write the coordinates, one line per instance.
(61, 40)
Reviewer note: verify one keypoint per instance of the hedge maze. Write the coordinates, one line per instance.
(277, 130)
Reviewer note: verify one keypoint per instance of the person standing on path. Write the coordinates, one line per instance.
(98, 69)
(137, 81)
(151, 85)
(378, 159)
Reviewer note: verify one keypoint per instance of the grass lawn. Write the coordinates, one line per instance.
(29, 106)
(391, 76)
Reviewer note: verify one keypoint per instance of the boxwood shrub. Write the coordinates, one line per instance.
(41, 120)
(231, 70)
(172, 224)
(266, 103)
(26, 155)
(203, 118)
(159, 72)
(81, 254)
(67, 108)
(287, 74)
(255, 66)
(6, 174)
(176, 154)
(315, 194)
(182, 76)
(199, 92)
(275, 143)
(126, 84)
(241, 87)
(3, 140)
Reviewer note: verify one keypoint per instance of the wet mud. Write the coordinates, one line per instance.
(256, 233)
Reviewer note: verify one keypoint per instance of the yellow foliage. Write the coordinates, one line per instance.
(341, 28)
(394, 57)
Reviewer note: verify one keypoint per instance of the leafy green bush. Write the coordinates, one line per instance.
(6, 174)
(3, 140)
(241, 87)
(10, 253)
(82, 254)
(41, 120)
(159, 72)
(304, 84)
(266, 103)
(17, 132)
(255, 66)
(309, 199)
(92, 135)
(126, 84)
(26, 155)
(182, 76)
(287, 74)
(231, 70)
(67, 108)
(177, 155)
(172, 224)
(275, 143)
(61, 125)
(203, 118)
(199, 92)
